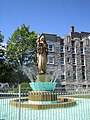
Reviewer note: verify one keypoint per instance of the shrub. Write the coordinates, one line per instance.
(25, 87)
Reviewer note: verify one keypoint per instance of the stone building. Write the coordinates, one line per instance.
(69, 58)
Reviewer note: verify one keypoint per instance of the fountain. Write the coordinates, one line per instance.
(42, 95)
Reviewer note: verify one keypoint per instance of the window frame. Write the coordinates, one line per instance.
(87, 42)
(62, 61)
(48, 60)
(62, 48)
(50, 49)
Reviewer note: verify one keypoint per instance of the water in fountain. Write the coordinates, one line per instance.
(31, 72)
(56, 73)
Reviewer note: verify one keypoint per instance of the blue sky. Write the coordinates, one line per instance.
(49, 16)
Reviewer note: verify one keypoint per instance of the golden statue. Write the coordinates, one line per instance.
(42, 51)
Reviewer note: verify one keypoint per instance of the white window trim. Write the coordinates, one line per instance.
(87, 42)
(63, 61)
(48, 59)
(68, 48)
(52, 48)
(63, 48)
(69, 74)
(68, 60)
(68, 39)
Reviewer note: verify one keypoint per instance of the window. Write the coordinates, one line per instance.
(73, 50)
(74, 76)
(73, 61)
(61, 42)
(62, 60)
(83, 75)
(51, 48)
(50, 60)
(68, 39)
(68, 60)
(62, 76)
(83, 68)
(62, 68)
(73, 56)
(87, 42)
(68, 48)
(81, 50)
(82, 61)
(68, 73)
(74, 68)
(62, 48)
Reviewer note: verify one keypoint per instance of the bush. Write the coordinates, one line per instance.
(25, 87)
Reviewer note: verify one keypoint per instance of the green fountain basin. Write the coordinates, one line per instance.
(43, 86)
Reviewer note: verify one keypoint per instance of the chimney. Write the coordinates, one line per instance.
(72, 29)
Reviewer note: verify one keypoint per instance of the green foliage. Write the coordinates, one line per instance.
(2, 51)
(6, 70)
(20, 44)
(1, 37)
(25, 87)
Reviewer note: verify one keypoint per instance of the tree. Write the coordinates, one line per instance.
(21, 46)
(5, 69)
(1, 37)
(2, 48)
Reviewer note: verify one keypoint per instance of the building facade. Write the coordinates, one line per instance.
(69, 58)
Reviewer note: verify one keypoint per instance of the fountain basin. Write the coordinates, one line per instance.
(60, 103)
(43, 86)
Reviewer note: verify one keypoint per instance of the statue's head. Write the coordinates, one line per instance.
(41, 40)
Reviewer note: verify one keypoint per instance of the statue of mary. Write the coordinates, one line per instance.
(42, 51)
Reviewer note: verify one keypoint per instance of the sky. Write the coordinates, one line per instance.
(44, 16)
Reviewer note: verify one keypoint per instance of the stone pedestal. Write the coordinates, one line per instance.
(43, 78)
(42, 96)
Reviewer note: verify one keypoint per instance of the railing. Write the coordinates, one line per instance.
(57, 105)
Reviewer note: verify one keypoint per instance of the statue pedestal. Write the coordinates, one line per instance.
(43, 78)
(42, 96)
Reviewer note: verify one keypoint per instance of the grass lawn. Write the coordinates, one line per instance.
(79, 96)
